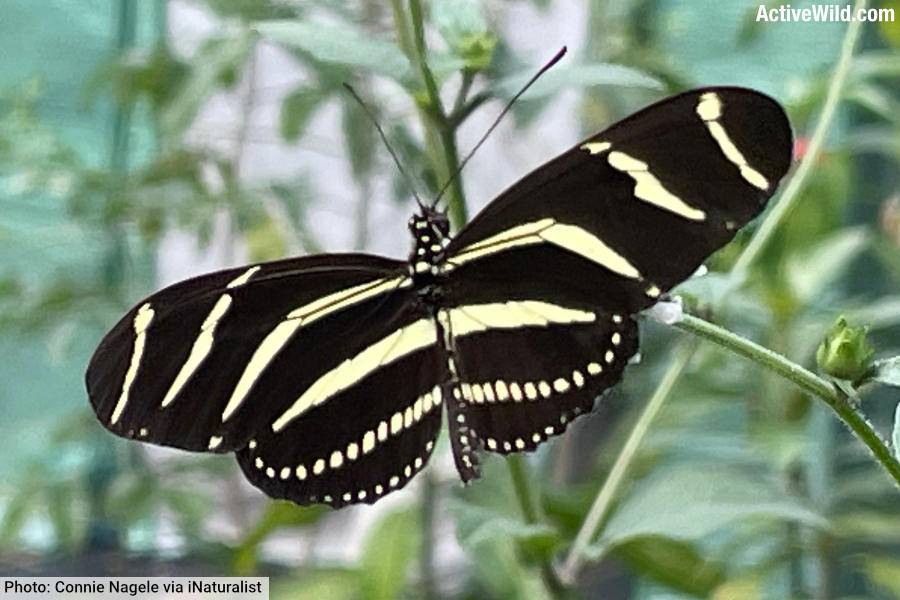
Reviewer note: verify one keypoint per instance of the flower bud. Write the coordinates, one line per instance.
(845, 353)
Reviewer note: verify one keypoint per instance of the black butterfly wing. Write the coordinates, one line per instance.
(526, 369)
(629, 213)
(366, 441)
(594, 236)
(208, 362)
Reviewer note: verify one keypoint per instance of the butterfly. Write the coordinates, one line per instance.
(328, 375)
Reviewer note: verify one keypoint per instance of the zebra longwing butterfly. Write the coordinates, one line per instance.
(328, 375)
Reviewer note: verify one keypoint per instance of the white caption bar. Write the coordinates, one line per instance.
(135, 588)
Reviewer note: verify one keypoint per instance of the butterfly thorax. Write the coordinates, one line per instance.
(431, 235)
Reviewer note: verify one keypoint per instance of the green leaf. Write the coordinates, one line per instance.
(16, 512)
(493, 541)
(266, 240)
(674, 563)
(61, 507)
(875, 99)
(338, 44)
(252, 10)
(320, 584)
(878, 314)
(872, 139)
(890, 28)
(746, 587)
(132, 496)
(297, 109)
(877, 63)
(189, 508)
(687, 504)
(867, 525)
(577, 76)
(214, 60)
(278, 515)
(477, 525)
(837, 251)
(884, 572)
(294, 198)
(887, 371)
(359, 137)
(387, 554)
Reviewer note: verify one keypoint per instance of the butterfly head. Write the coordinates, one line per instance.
(431, 223)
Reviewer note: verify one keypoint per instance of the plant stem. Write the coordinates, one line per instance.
(433, 146)
(518, 472)
(805, 379)
(602, 503)
(522, 487)
(792, 192)
(426, 560)
(468, 77)
(436, 106)
(438, 117)
(771, 360)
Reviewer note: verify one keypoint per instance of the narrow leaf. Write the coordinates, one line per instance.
(359, 138)
(690, 503)
(214, 60)
(477, 525)
(884, 572)
(338, 44)
(674, 563)
(297, 109)
(323, 583)
(837, 251)
(388, 552)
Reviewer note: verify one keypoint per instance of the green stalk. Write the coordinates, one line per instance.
(518, 472)
(602, 503)
(433, 147)
(805, 379)
(792, 192)
(446, 130)
(426, 560)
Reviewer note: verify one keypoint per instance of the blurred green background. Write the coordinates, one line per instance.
(142, 141)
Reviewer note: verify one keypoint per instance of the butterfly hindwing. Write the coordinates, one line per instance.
(366, 441)
(629, 213)
(520, 385)
(205, 363)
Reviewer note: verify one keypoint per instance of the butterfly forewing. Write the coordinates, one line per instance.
(205, 363)
(640, 205)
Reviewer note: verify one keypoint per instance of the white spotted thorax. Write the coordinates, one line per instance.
(431, 235)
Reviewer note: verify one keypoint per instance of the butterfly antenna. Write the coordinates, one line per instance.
(535, 77)
(387, 144)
